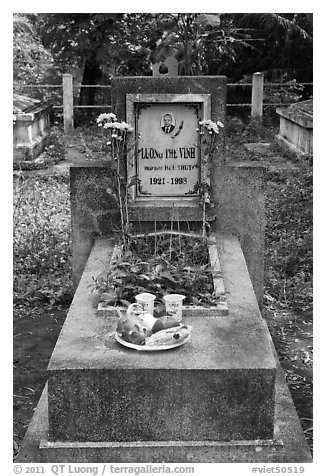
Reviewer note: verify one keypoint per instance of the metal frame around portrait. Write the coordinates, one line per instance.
(133, 101)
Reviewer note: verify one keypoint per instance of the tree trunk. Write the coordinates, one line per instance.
(92, 74)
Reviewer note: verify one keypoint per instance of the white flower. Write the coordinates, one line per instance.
(126, 127)
(106, 117)
(211, 126)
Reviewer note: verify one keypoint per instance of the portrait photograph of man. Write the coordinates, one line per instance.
(168, 122)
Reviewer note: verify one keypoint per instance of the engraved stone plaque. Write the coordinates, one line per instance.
(167, 156)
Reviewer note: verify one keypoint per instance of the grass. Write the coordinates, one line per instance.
(288, 202)
(41, 241)
(289, 237)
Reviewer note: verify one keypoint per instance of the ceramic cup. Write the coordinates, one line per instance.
(173, 305)
(146, 300)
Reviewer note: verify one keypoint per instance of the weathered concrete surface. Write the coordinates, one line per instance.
(286, 428)
(93, 212)
(31, 131)
(296, 127)
(288, 446)
(161, 405)
(240, 210)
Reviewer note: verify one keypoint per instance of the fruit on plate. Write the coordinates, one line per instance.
(164, 322)
(136, 310)
(132, 329)
(148, 320)
(169, 336)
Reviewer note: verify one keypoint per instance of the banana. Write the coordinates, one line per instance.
(168, 336)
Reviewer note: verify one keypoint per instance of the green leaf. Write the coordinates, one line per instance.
(208, 19)
(169, 277)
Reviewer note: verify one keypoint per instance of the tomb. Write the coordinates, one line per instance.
(221, 397)
(31, 130)
(296, 127)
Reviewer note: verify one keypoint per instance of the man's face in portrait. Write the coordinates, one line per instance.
(167, 120)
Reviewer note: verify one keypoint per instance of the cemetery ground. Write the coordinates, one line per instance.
(42, 270)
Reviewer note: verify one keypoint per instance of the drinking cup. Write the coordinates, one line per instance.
(146, 300)
(173, 305)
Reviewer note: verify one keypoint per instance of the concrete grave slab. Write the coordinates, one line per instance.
(219, 366)
(80, 351)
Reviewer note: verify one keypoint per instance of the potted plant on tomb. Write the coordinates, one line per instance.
(162, 261)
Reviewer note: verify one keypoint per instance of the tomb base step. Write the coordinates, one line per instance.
(287, 446)
(163, 451)
(30, 151)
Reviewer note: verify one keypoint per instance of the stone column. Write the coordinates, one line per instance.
(257, 95)
(68, 102)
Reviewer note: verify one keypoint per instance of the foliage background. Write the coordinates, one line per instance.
(95, 46)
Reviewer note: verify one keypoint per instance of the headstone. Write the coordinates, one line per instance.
(167, 161)
(168, 154)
